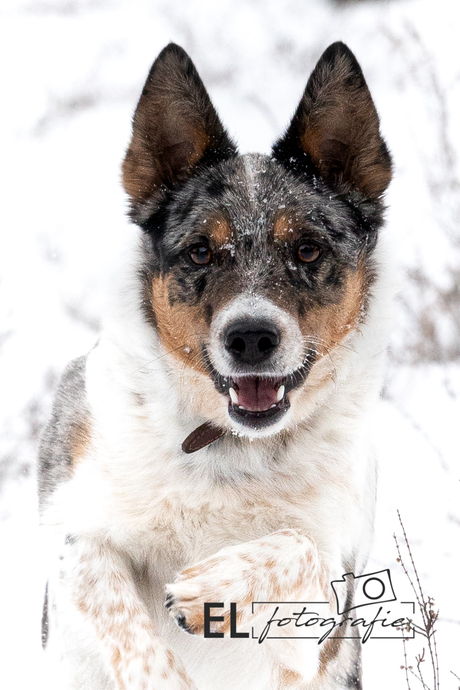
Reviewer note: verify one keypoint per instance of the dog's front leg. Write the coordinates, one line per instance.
(100, 585)
(283, 566)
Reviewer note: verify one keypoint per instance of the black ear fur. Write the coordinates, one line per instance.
(335, 130)
(175, 129)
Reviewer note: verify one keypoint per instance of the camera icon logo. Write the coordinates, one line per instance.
(372, 588)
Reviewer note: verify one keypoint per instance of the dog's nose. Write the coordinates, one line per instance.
(251, 342)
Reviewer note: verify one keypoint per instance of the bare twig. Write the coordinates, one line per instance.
(457, 677)
(429, 619)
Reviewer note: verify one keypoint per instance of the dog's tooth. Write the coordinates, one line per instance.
(280, 394)
(233, 396)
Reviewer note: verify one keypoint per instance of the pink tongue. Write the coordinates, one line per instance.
(256, 394)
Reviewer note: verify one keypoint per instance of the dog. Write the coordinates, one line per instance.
(213, 450)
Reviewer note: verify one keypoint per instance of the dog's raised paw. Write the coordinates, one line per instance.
(211, 580)
(226, 577)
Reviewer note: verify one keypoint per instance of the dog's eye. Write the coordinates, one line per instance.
(200, 254)
(308, 253)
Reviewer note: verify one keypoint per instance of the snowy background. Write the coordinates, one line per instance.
(71, 73)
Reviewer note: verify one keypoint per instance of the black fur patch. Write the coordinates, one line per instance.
(216, 189)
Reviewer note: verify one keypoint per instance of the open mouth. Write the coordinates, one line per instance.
(256, 401)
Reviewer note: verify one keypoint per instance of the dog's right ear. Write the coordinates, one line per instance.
(175, 130)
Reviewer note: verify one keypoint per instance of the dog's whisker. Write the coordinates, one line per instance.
(328, 348)
(159, 357)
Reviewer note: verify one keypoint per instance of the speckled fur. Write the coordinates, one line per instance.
(275, 514)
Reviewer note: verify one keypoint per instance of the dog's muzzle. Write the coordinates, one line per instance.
(256, 353)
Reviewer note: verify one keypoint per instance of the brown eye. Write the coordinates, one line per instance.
(308, 253)
(200, 254)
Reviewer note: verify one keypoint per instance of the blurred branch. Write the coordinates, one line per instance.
(433, 332)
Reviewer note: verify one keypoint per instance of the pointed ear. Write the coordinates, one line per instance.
(335, 130)
(175, 128)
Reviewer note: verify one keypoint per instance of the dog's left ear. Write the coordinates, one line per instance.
(175, 129)
(335, 130)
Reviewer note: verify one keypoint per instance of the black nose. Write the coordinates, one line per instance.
(251, 342)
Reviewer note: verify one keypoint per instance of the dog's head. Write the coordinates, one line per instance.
(256, 267)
